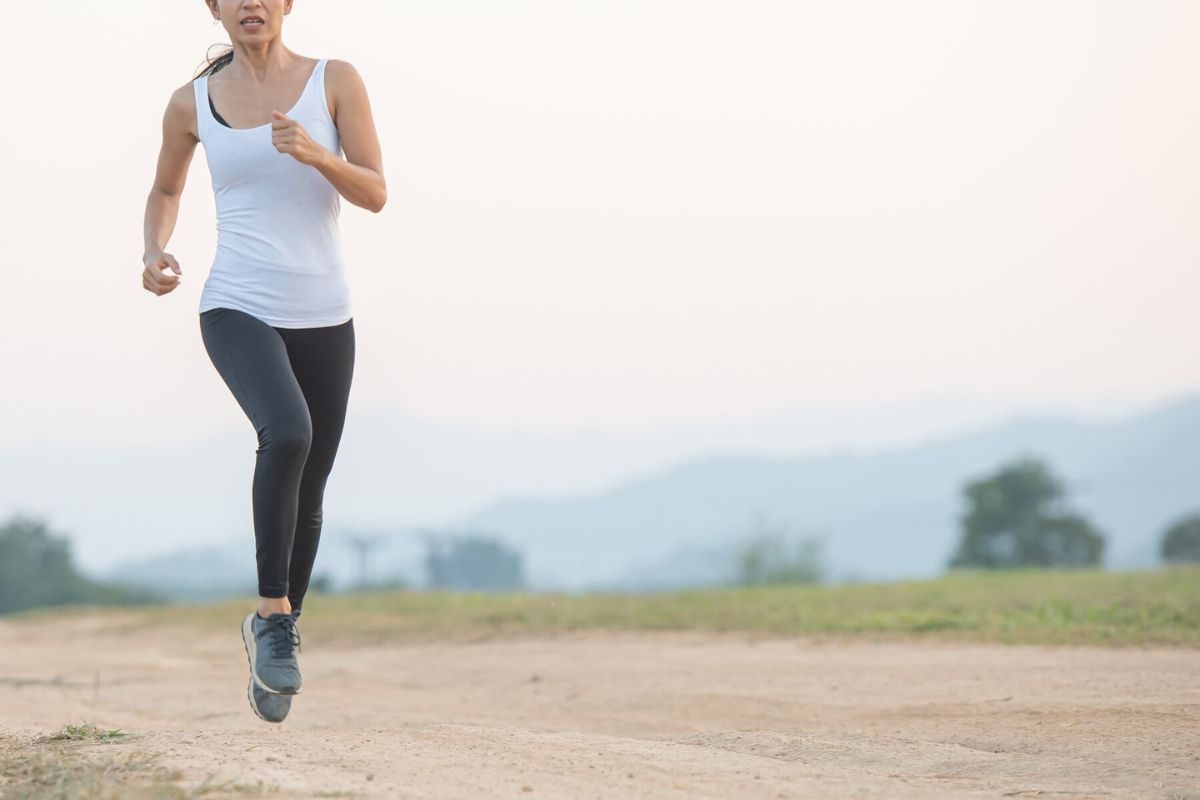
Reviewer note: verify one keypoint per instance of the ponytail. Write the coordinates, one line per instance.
(217, 63)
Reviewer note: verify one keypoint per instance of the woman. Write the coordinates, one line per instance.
(275, 311)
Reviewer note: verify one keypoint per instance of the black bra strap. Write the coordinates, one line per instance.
(219, 118)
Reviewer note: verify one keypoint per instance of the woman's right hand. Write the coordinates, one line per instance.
(155, 278)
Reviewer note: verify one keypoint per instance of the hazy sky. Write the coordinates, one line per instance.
(627, 212)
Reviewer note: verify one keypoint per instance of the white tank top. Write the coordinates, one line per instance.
(279, 254)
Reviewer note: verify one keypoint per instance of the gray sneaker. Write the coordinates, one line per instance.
(269, 706)
(271, 649)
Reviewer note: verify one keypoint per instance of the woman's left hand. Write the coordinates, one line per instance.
(289, 137)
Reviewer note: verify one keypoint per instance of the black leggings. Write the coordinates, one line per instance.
(293, 384)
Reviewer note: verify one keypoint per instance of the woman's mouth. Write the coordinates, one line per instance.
(253, 23)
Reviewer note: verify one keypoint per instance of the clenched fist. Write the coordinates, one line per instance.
(289, 137)
(155, 277)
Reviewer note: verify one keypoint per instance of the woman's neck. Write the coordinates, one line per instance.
(260, 63)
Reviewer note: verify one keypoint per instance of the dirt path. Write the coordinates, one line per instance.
(652, 715)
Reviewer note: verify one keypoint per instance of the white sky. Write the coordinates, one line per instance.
(628, 212)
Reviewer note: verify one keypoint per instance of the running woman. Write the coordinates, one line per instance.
(275, 312)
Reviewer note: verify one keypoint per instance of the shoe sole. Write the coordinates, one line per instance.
(253, 705)
(251, 649)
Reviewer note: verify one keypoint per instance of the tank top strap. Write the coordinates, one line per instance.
(204, 118)
(315, 90)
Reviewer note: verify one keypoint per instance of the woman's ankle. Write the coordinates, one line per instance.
(273, 605)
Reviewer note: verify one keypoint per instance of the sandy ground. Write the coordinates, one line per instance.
(651, 715)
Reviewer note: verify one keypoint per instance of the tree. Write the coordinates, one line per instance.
(36, 570)
(774, 555)
(473, 563)
(1015, 518)
(1181, 541)
(322, 583)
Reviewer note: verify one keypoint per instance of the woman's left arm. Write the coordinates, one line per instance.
(359, 176)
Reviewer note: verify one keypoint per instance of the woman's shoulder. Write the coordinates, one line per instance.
(342, 80)
(181, 109)
(343, 86)
(339, 70)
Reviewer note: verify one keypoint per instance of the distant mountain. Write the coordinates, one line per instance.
(887, 514)
(229, 568)
(198, 574)
(136, 500)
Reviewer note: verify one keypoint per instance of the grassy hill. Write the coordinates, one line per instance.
(1160, 606)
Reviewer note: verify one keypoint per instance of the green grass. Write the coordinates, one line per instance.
(1160, 606)
(85, 731)
(67, 765)
(35, 771)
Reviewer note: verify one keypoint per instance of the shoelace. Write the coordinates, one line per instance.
(283, 636)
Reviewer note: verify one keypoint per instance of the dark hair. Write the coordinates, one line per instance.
(217, 63)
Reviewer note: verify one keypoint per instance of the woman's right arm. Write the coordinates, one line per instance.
(162, 206)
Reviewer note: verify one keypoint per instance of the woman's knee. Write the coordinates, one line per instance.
(290, 440)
